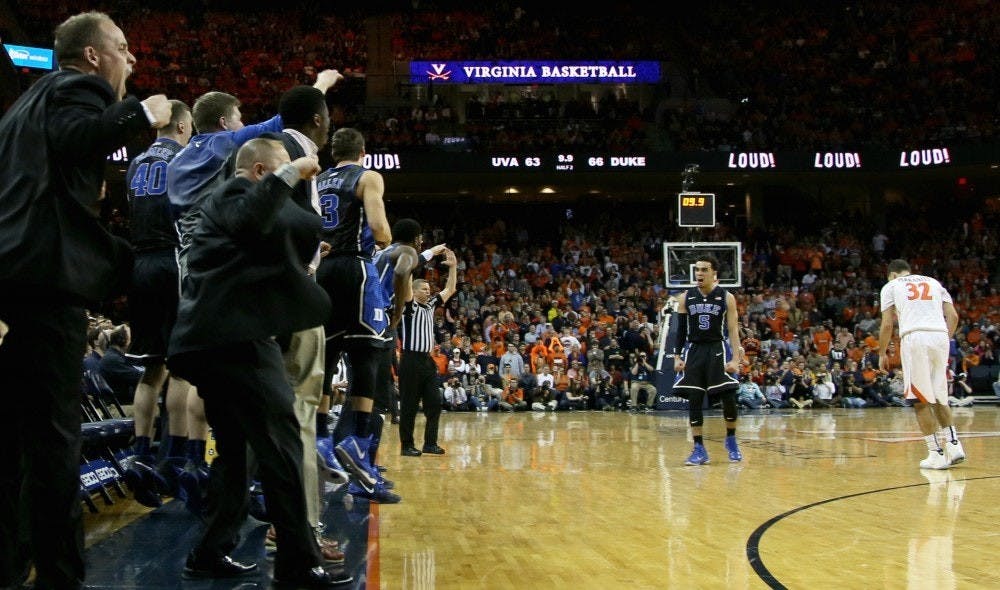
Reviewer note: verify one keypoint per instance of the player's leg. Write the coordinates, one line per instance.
(354, 449)
(176, 400)
(147, 392)
(696, 420)
(730, 414)
(727, 386)
(918, 386)
(948, 436)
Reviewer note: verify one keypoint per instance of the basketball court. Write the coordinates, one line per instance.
(823, 499)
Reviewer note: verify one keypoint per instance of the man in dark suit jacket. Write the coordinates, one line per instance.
(247, 284)
(55, 259)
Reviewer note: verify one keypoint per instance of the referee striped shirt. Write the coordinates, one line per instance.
(416, 328)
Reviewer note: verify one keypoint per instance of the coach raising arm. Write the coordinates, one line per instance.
(55, 259)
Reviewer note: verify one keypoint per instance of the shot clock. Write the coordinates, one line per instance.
(696, 210)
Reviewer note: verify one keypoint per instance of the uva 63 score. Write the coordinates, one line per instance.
(567, 162)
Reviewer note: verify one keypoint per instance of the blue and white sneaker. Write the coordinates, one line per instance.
(735, 456)
(328, 461)
(379, 495)
(386, 483)
(699, 456)
(353, 455)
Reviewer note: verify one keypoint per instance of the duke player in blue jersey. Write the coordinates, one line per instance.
(704, 361)
(354, 225)
(153, 298)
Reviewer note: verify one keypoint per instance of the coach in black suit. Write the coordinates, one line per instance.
(55, 260)
(247, 284)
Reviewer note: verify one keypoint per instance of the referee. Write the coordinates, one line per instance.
(417, 372)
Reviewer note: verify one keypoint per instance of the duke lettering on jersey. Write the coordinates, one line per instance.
(706, 315)
(711, 308)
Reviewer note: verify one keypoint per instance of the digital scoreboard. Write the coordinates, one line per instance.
(696, 210)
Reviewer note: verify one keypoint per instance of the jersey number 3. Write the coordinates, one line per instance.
(921, 291)
(328, 205)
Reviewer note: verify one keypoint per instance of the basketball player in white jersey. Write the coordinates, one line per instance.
(927, 319)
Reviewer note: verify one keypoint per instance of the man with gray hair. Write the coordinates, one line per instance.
(56, 259)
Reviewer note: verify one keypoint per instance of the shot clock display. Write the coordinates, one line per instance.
(696, 210)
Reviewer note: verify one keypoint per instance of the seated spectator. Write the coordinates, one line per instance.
(97, 343)
(456, 399)
(491, 387)
(605, 393)
(749, 394)
(852, 395)
(117, 370)
(775, 393)
(800, 394)
(575, 396)
(877, 391)
(896, 396)
(641, 379)
(512, 398)
(441, 362)
(542, 396)
(458, 366)
(961, 391)
(825, 392)
(560, 379)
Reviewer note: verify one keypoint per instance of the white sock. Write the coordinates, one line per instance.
(949, 434)
(932, 444)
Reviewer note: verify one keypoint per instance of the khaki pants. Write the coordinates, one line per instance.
(304, 366)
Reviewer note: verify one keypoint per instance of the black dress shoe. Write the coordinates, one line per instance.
(434, 450)
(222, 567)
(317, 577)
(411, 452)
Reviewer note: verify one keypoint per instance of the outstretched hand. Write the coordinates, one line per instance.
(308, 166)
(326, 79)
(159, 109)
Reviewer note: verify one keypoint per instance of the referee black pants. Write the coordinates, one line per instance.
(418, 383)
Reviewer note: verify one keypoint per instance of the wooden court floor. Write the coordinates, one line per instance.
(580, 500)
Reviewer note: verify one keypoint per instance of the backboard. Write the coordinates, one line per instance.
(679, 259)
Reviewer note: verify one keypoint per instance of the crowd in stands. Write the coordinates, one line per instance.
(579, 311)
(870, 73)
(189, 48)
(795, 76)
(790, 77)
